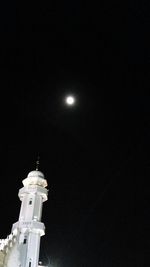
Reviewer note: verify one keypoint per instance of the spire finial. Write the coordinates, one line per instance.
(37, 162)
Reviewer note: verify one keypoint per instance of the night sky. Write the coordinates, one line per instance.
(96, 154)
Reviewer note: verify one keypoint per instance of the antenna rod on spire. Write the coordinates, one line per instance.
(37, 163)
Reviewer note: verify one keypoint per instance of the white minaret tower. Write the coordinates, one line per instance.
(21, 248)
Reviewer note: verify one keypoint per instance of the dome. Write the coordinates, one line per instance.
(35, 178)
(36, 174)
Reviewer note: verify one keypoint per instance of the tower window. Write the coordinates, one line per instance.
(30, 264)
(30, 202)
(24, 241)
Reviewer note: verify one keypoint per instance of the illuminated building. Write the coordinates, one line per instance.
(21, 248)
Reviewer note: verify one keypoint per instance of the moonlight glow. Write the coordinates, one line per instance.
(70, 100)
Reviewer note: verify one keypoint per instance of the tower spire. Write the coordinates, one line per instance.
(37, 162)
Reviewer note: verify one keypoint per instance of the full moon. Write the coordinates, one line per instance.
(70, 100)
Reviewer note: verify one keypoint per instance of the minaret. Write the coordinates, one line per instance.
(29, 228)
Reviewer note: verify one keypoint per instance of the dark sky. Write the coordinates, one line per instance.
(95, 156)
